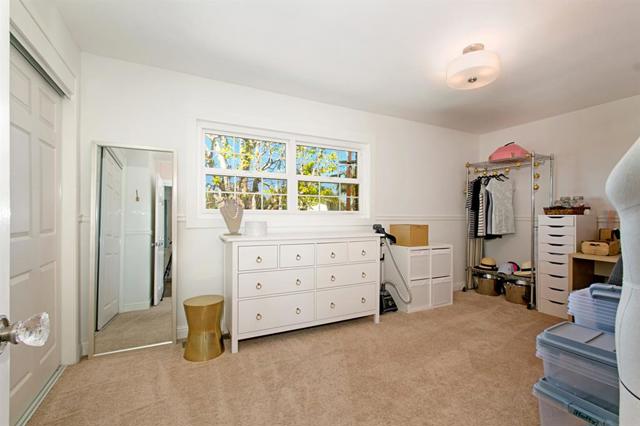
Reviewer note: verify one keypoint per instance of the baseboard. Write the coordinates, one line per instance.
(84, 348)
(458, 286)
(31, 409)
(138, 306)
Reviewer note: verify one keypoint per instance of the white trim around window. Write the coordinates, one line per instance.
(291, 216)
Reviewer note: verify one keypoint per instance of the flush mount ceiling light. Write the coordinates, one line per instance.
(474, 69)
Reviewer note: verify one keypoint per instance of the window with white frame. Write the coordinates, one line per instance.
(280, 174)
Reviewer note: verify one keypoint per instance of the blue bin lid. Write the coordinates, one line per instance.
(596, 345)
(585, 410)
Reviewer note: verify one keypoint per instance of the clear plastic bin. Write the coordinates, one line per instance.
(560, 408)
(582, 361)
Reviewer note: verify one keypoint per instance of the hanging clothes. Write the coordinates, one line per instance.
(502, 212)
(473, 194)
(482, 211)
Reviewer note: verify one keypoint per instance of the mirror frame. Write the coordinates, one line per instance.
(93, 241)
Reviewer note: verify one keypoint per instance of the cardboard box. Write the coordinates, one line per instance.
(410, 235)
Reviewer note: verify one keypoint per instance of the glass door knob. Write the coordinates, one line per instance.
(33, 331)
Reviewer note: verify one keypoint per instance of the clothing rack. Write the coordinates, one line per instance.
(475, 250)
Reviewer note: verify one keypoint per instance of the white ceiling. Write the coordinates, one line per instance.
(384, 56)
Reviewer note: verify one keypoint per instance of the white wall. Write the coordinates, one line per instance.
(417, 169)
(586, 143)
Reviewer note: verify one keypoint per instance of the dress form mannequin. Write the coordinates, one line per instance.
(623, 190)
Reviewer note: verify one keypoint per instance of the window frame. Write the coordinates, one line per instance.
(291, 140)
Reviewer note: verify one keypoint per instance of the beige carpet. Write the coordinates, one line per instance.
(136, 328)
(472, 363)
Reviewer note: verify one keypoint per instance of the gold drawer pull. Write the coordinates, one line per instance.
(258, 286)
(364, 275)
(258, 317)
(332, 255)
(333, 278)
(298, 311)
(298, 282)
(298, 257)
(258, 259)
(332, 305)
(363, 300)
(363, 252)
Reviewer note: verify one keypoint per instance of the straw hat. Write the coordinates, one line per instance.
(525, 270)
(488, 263)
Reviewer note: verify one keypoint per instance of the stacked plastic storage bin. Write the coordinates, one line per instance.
(595, 307)
(581, 376)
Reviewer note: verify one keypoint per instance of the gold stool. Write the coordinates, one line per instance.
(204, 341)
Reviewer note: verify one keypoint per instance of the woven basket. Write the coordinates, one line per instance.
(565, 210)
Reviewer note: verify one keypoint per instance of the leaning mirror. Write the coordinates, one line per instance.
(133, 250)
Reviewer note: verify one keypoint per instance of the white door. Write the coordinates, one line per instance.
(34, 247)
(5, 95)
(158, 245)
(110, 248)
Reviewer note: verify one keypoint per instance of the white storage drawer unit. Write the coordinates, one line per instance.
(284, 282)
(558, 235)
(429, 273)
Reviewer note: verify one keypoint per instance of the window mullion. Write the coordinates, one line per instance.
(292, 181)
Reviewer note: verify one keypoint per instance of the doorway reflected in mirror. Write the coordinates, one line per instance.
(134, 231)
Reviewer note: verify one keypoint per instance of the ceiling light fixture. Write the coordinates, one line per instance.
(474, 69)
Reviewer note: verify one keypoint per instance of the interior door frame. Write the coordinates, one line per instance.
(93, 239)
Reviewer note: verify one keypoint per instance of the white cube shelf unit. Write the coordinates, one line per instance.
(429, 272)
(283, 282)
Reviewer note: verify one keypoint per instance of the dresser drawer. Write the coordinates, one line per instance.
(557, 309)
(329, 253)
(554, 295)
(567, 220)
(364, 251)
(257, 257)
(440, 263)
(558, 269)
(554, 257)
(557, 239)
(292, 255)
(332, 276)
(556, 248)
(551, 281)
(344, 301)
(556, 230)
(265, 283)
(273, 312)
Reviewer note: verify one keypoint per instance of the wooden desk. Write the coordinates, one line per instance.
(586, 269)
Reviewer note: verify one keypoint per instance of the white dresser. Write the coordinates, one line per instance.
(559, 235)
(428, 271)
(283, 282)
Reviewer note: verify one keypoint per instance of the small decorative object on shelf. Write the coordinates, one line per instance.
(568, 205)
(231, 211)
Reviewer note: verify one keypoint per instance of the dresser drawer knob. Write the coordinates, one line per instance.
(298, 311)
(332, 255)
(332, 305)
(333, 278)
(298, 257)
(258, 259)
(363, 252)
(298, 282)
(258, 286)
(363, 300)
(364, 275)
(258, 317)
